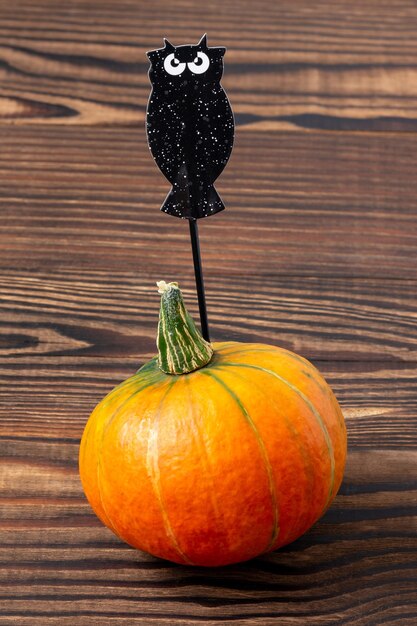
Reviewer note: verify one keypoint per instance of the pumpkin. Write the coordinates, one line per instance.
(212, 454)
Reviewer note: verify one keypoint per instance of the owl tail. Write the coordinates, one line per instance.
(192, 201)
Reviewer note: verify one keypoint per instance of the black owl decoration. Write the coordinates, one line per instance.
(190, 125)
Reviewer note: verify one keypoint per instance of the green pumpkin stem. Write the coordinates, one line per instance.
(181, 347)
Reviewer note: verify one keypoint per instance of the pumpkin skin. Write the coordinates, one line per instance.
(219, 465)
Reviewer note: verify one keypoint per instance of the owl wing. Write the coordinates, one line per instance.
(164, 129)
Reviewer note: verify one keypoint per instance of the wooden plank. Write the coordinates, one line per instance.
(98, 313)
(337, 67)
(313, 204)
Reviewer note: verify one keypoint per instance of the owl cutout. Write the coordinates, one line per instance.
(189, 125)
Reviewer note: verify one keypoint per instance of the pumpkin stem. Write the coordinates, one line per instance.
(181, 347)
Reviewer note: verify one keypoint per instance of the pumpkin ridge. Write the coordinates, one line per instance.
(314, 411)
(288, 353)
(203, 454)
(307, 459)
(154, 475)
(244, 351)
(337, 408)
(147, 382)
(325, 387)
(123, 386)
(295, 357)
(99, 450)
(118, 391)
(262, 447)
(110, 523)
(127, 385)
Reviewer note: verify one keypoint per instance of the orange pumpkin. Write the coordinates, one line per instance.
(213, 453)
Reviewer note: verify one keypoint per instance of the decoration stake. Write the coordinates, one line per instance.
(190, 129)
(199, 281)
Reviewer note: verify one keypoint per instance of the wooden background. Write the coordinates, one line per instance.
(316, 252)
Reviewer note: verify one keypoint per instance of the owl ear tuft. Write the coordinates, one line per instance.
(203, 41)
(168, 46)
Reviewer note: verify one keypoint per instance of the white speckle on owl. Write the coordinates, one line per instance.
(190, 125)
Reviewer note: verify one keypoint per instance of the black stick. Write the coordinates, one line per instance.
(198, 270)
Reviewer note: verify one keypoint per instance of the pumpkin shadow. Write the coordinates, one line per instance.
(271, 577)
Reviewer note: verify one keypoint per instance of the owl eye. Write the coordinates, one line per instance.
(173, 66)
(200, 63)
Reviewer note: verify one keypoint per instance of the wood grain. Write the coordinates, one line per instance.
(313, 204)
(316, 252)
(335, 67)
